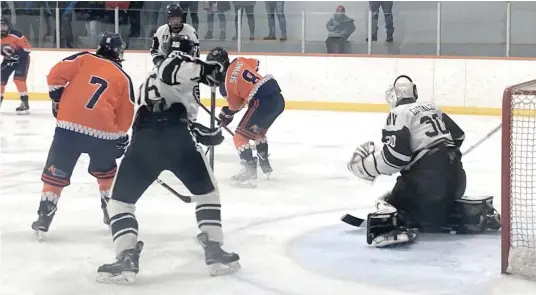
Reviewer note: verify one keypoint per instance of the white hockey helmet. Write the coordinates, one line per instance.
(401, 90)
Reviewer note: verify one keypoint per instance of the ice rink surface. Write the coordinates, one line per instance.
(287, 231)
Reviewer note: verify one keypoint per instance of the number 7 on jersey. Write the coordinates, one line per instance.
(103, 84)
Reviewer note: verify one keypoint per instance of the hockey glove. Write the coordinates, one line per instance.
(226, 116)
(205, 135)
(55, 108)
(157, 60)
(55, 92)
(356, 165)
(121, 146)
(211, 73)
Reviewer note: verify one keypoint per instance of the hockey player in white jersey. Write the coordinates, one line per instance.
(163, 135)
(423, 144)
(175, 26)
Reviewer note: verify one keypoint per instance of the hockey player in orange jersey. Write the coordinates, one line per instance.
(15, 50)
(93, 101)
(245, 86)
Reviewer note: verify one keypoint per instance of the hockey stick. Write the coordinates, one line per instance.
(212, 122)
(208, 111)
(356, 221)
(185, 199)
(471, 148)
(352, 220)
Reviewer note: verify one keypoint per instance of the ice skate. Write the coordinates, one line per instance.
(124, 270)
(219, 261)
(47, 210)
(248, 175)
(265, 165)
(23, 108)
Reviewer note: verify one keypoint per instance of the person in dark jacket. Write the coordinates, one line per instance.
(340, 27)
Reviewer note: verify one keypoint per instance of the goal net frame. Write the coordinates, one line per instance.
(518, 216)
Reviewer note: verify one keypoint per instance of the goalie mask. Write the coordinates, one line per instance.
(401, 90)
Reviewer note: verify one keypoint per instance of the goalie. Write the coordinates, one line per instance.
(423, 144)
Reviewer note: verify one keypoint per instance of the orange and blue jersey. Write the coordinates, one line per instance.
(243, 83)
(15, 44)
(97, 98)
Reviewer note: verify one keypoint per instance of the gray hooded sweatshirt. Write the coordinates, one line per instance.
(340, 26)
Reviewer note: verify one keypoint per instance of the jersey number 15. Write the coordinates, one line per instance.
(436, 123)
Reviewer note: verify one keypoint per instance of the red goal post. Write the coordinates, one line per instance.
(518, 187)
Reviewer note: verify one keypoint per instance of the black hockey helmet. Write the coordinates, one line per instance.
(220, 55)
(111, 46)
(180, 43)
(174, 15)
(5, 27)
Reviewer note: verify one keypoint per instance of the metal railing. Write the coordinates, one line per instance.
(428, 31)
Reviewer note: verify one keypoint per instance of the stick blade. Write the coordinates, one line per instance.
(352, 220)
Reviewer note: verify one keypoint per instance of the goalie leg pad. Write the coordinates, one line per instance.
(477, 214)
(384, 229)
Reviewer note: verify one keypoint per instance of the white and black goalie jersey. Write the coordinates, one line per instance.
(175, 81)
(163, 34)
(411, 130)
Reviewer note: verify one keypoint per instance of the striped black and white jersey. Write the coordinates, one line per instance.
(174, 81)
(163, 34)
(411, 130)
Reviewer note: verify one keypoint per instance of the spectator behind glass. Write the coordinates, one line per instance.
(193, 8)
(66, 28)
(152, 12)
(108, 20)
(8, 12)
(273, 7)
(91, 12)
(219, 8)
(134, 15)
(387, 7)
(248, 8)
(29, 20)
(340, 27)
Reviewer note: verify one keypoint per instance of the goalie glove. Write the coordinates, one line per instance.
(357, 162)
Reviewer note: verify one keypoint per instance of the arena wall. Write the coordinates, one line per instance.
(346, 82)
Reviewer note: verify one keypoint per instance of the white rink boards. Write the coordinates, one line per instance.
(287, 231)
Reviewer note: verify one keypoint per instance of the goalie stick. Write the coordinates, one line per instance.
(356, 221)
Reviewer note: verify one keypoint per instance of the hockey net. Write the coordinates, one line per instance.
(518, 196)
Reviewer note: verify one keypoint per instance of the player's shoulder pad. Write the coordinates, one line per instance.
(162, 30)
(190, 32)
(16, 33)
(398, 117)
(77, 55)
(123, 73)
